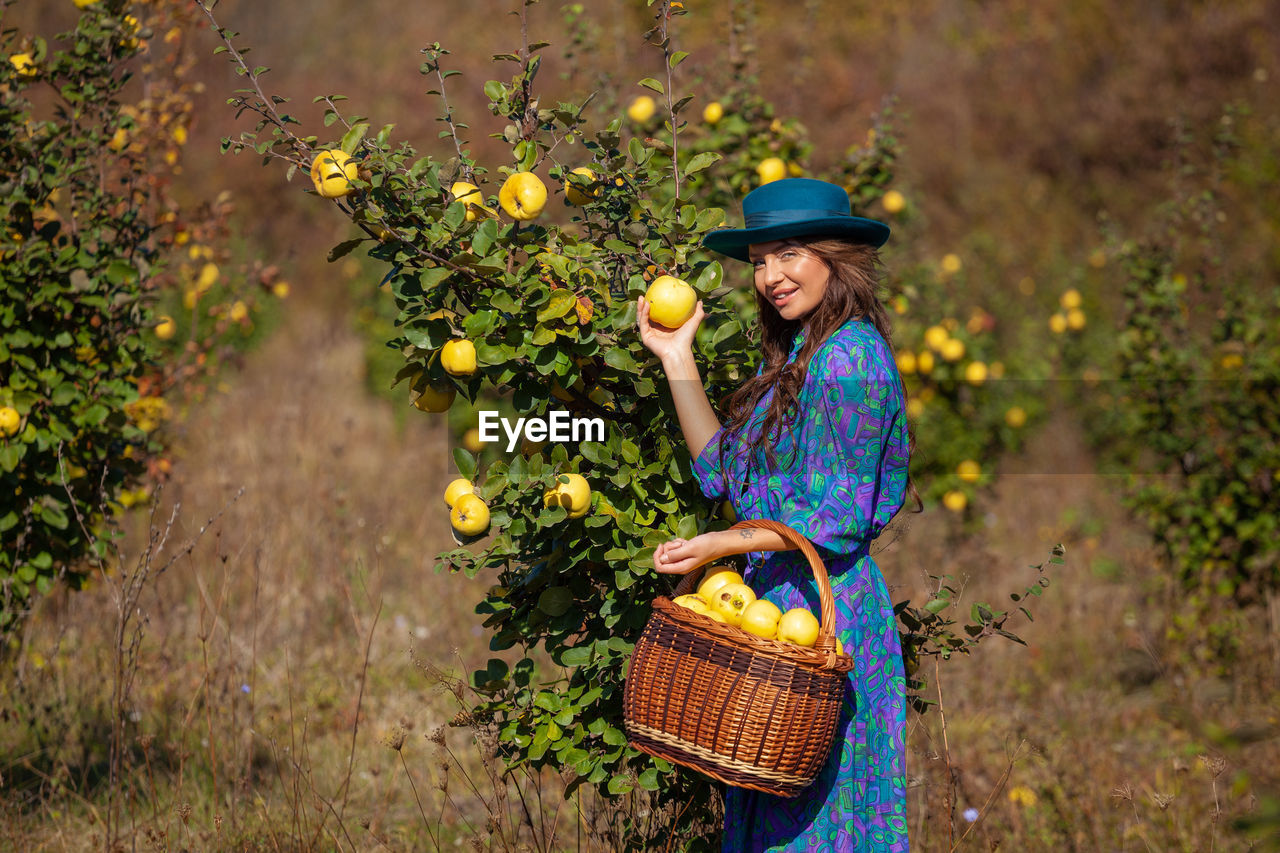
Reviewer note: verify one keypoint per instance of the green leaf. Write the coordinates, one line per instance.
(576, 655)
(351, 139)
(620, 359)
(937, 605)
(708, 219)
(555, 601)
(709, 278)
(700, 161)
(486, 234)
(343, 249)
(10, 456)
(561, 303)
(55, 518)
(466, 463)
(650, 83)
(620, 784)
(727, 330)
(431, 277)
(120, 272)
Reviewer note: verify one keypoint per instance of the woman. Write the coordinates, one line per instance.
(818, 441)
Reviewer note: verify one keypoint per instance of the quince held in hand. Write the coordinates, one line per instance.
(671, 301)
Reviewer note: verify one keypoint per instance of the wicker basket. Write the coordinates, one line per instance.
(751, 712)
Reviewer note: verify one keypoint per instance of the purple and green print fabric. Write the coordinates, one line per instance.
(840, 477)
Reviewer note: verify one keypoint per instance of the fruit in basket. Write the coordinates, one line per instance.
(715, 617)
(694, 602)
(761, 618)
(798, 626)
(731, 601)
(716, 577)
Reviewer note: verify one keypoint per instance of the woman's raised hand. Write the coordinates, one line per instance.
(663, 342)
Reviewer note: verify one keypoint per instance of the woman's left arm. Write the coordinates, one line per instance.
(681, 556)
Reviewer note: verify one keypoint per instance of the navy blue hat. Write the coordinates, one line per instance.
(795, 207)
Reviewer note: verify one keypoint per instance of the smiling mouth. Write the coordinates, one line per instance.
(780, 298)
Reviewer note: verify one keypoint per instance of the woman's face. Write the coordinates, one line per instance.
(789, 277)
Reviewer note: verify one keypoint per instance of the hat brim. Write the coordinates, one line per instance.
(735, 242)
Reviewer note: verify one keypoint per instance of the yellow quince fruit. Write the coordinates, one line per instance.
(332, 172)
(469, 516)
(771, 169)
(523, 195)
(576, 194)
(471, 196)
(456, 489)
(458, 357)
(641, 109)
(574, 495)
(671, 301)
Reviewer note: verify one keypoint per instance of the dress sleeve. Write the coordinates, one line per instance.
(847, 477)
(709, 469)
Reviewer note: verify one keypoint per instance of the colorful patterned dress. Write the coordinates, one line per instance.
(841, 476)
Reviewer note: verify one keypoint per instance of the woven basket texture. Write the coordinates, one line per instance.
(751, 712)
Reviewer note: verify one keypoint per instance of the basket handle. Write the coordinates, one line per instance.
(827, 615)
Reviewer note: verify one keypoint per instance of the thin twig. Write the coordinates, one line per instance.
(666, 63)
(949, 799)
(995, 791)
(355, 724)
(267, 108)
(435, 839)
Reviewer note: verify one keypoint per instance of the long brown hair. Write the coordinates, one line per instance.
(855, 273)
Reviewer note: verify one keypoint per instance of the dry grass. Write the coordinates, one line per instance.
(275, 658)
(1118, 745)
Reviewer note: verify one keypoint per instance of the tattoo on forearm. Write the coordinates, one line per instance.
(746, 534)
